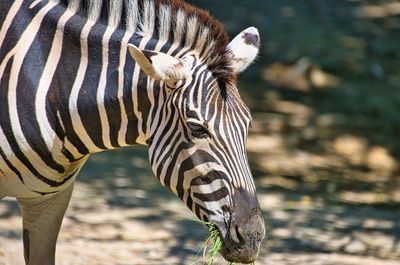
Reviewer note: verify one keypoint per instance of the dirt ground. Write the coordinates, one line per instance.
(97, 233)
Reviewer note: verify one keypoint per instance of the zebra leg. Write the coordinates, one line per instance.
(42, 218)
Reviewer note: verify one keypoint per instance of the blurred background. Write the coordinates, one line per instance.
(324, 148)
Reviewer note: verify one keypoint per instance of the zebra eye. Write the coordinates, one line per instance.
(198, 130)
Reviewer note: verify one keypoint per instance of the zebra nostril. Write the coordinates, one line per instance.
(239, 235)
(235, 235)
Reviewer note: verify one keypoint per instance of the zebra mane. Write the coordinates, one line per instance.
(174, 21)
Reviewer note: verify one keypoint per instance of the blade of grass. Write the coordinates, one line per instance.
(214, 239)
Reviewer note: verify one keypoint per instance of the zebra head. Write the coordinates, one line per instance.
(199, 127)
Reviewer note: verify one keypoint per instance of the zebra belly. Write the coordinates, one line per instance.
(13, 187)
(24, 184)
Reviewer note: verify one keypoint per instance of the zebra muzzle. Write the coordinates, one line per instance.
(246, 230)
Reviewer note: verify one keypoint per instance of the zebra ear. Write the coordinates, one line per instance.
(244, 49)
(159, 66)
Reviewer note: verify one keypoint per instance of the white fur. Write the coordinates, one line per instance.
(180, 22)
(94, 9)
(164, 22)
(115, 12)
(203, 38)
(148, 23)
(243, 54)
(132, 15)
(191, 31)
(73, 5)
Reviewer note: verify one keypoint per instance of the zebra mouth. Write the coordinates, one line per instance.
(246, 252)
(241, 241)
(239, 252)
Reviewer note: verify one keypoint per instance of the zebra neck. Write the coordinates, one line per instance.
(113, 95)
(104, 100)
(111, 106)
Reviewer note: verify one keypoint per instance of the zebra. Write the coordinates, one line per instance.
(79, 77)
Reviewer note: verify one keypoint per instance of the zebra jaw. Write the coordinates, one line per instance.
(160, 66)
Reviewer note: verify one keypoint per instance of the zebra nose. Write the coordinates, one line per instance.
(247, 235)
(251, 231)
